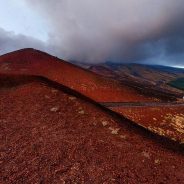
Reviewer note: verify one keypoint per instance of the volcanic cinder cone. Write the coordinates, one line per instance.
(30, 62)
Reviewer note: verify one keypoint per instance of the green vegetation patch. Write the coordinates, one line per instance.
(178, 83)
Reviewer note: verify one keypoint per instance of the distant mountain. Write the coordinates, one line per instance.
(153, 76)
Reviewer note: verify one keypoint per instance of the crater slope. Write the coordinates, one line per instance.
(49, 135)
(30, 62)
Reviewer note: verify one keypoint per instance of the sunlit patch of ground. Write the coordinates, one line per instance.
(165, 121)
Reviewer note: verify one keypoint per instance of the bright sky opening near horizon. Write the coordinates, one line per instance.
(17, 17)
(96, 31)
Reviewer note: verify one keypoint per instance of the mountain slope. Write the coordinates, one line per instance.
(33, 62)
(178, 83)
(50, 136)
(152, 76)
(30, 62)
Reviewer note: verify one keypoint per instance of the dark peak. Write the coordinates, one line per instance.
(30, 50)
(27, 49)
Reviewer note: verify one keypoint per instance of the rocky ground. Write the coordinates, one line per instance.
(49, 136)
(164, 120)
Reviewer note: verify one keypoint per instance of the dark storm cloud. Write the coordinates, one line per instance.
(118, 30)
(10, 42)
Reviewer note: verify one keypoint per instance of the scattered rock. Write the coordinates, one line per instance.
(46, 96)
(114, 131)
(123, 136)
(104, 123)
(54, 90)
(81, 112)
(54, 109)
(72, 98)
(146, 154)
(154, 119)
(157, 161)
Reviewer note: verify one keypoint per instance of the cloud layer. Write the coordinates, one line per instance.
(10, 42)
(143, 31)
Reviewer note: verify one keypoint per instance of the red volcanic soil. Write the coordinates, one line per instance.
(103, 71)
(96, 87)
(50, 136)
(166, 121)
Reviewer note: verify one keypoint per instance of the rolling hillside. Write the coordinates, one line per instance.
(153, 76)
(64, 124)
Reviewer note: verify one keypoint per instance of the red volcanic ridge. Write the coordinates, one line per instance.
(64, 124)
(30, 62)
(37, 63)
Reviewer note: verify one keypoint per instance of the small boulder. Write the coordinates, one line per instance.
(54, 109)
(72, 98)
(157, 161)
(114, 131)
(81, 112)
(104, 123)
(146, 154)
(123, 136)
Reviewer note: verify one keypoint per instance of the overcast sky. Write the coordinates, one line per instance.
(95, 31)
